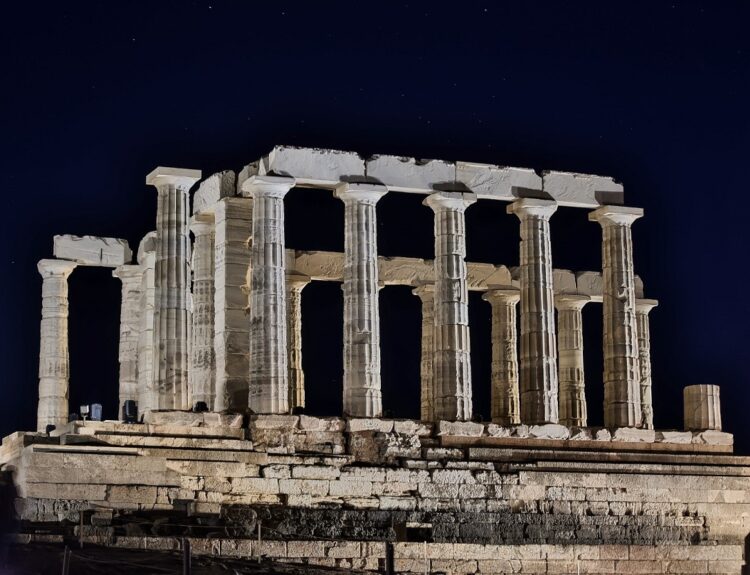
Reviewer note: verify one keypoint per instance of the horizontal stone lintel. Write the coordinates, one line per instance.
(92, 250)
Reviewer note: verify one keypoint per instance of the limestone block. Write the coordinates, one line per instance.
(312, 166)
(410, 174)
(549, 431)
(582, 190)
(494, 430)
(411, 427)
(92, 250)
(634, 434)
(356, 424)
(674, 436)
(564, 282)
(498, 182)
(460, 428)
(590, 284)
(713, 437)
(212, 189)
(331, 424)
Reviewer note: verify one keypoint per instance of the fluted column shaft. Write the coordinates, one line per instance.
(538, 363)
(362, 391)
(573, 407)
(642, 309)
(504, 393)
(294, 286)
(131, 277)
(452, 347)
(702, 407)
(426, 294)
(269, 376)
(622, 377)
(54, 368)
(147, 390)
(202, 364)
(172, 284)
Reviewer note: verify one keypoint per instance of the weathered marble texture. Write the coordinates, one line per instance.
(538, 361)
(642, 309)
(147, 390)
(212, 190)
(54, 368)
(92, 250)
(573, 410)
(294, 286)
(702, 407)
(622, 377)
(452, 348)
(131, 277)
(361, 356)
(426, 294)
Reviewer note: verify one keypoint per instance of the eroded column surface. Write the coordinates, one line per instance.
(622, 377)
(294, 286)
(269, 376)
(172, 284)
(362, 391)
(54, 368)
(452, 348)
(202, 365)
(131, 277)
(147, 390)
(504, 393)
(572, 404)
(233, 228)
(538, 363)
(642, 309)
(426, 294)
(702, 407)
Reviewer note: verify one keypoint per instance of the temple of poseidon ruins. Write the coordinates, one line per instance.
(214, 447)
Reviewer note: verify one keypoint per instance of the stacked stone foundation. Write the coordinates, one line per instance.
(449, 497)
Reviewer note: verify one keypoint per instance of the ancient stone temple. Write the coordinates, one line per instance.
(214, 447)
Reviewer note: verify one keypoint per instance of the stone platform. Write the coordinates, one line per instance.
(452, 497)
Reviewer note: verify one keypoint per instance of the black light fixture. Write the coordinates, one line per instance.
(130, 411)
(49, 428)
(96, 412)
(200, 407)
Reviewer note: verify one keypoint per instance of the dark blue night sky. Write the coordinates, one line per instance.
(655, 94)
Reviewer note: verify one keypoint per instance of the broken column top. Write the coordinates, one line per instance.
(92, 250)
(315, 167)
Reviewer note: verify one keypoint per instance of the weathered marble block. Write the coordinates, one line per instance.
(92, 250)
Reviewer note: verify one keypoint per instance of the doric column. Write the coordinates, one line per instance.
(452, 348)
(504, 397)
(294, 286)
(202, 365)
(426, 294)
(573, 411)
(642, 309)
(131, 277)
(702, 407)
(538, 365)
(172, 283)
(269, 377)
(147, 390)
(233, 228)
(54, 369)
(622, 377)
(362, 394)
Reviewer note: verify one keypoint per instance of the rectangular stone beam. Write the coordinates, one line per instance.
(315, 167)
(92, 250)
(212, 189)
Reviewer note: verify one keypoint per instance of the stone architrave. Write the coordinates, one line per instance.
(642, 309)
(233, 228)
(294, 286)
(426, 294)
(147, 391)
(362, 391)
(702, 407)
(202, 365)
(572, 404)
(131, 277)
(172, 284)
(269, 376)
(538, 362)
(622, 376)
(54, 367)
(452, 348)
(505, 408)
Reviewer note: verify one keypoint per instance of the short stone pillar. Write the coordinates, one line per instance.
(202, 364)
(426, 293)
(54, 368)
(269, 376)
(642, 309)
(147, 390)
(452, 347)
(131, 277)
(294, 286)
(362, 388)
(573, 410)
(622, 377)
(702, 407)
(172, 284)
(538, 365)
(504, 393)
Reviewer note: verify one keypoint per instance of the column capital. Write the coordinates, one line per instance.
(297, 281)
(615, 215)
(202, 224)
(128, 272)
(532, 207)
(360, 192)
(457, 201)
(501, 295)
(59, 268)
(424, 291)
(273, 186)
(571, 301)
(645, 305)
(180, 177)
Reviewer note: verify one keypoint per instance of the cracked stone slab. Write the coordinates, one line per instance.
(92, 250)
(212, 189)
